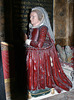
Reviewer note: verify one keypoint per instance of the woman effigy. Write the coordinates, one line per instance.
(44, 70)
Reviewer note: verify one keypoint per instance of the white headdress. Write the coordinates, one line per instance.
(45, 21)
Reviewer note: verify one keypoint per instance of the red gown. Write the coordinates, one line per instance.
(43, 65)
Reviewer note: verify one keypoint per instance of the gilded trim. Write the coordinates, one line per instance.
(9, 80)
(41, 92)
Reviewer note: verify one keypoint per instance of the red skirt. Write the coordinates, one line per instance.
(44, 69)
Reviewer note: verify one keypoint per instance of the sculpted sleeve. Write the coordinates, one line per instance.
(41, 38)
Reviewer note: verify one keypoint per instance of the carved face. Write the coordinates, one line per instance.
(34, 19)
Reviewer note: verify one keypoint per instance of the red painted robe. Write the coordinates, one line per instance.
(43, 66)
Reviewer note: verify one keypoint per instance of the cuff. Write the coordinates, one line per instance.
(28, 41)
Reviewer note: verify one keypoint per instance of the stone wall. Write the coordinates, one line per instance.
(6, 20)
(63, 22)
(14, 17)
(21, 10)
(1, 21)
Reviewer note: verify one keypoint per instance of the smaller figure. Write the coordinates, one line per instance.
(61, 52)
(69, 53)
(65, 53)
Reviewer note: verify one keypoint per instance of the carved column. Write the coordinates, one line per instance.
(71, 23)
(63, 22)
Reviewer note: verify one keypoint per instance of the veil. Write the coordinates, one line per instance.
(45, 21)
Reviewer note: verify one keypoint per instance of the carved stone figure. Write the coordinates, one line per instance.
(69, 53)
(65, 54)
(61, 52)
(44, 70)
